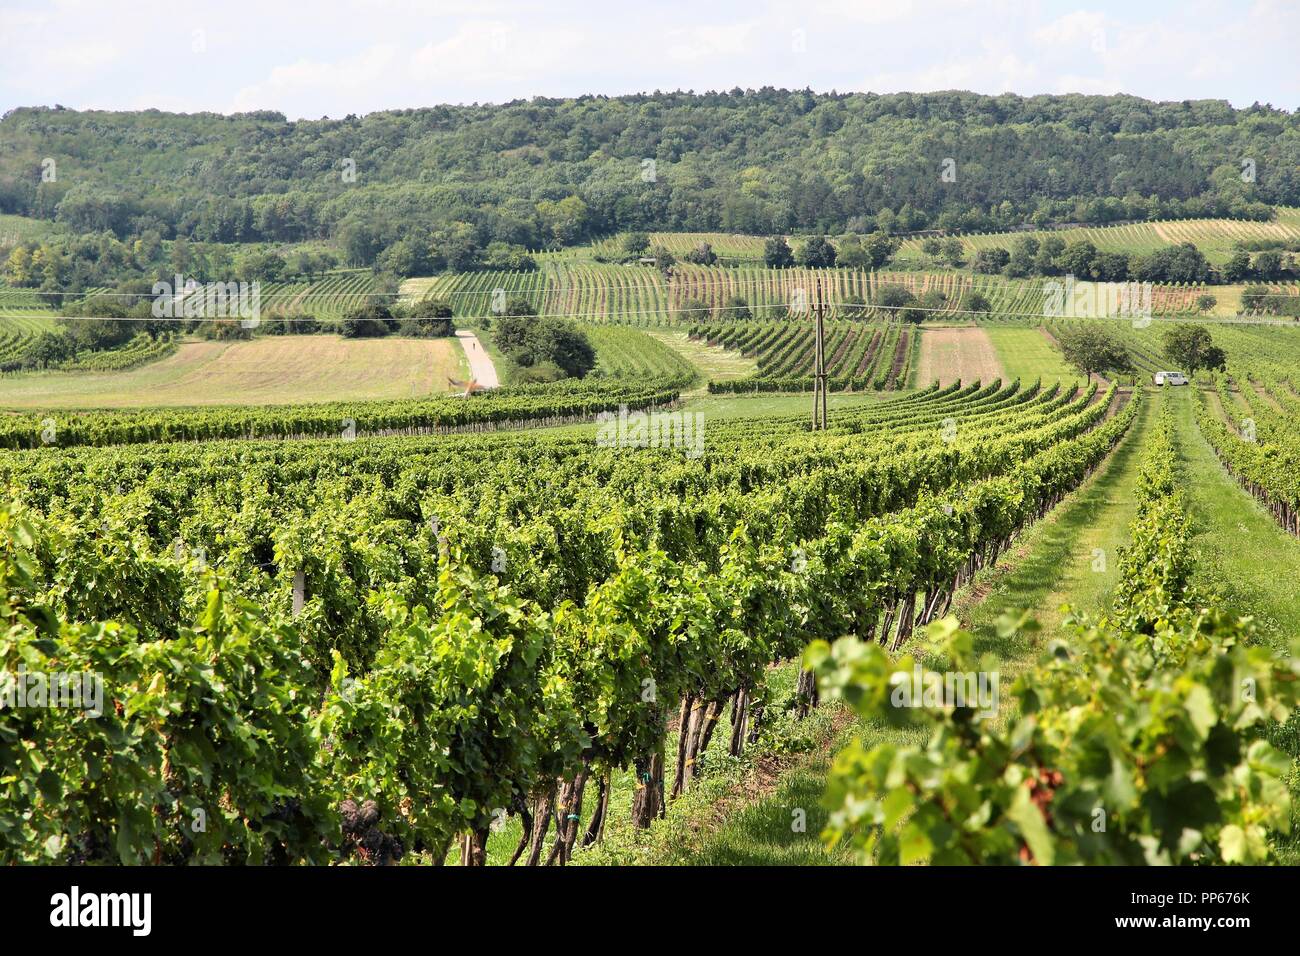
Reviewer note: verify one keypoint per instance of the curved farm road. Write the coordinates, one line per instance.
(480, 363)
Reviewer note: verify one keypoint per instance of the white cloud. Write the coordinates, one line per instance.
(708, 42)
(341, 56)
(342, 79)
(1082, 27)
(493, 49)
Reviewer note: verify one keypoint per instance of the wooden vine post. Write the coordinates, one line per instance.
(819, 366)
(806, 688)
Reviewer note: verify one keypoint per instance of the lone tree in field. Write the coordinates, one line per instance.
(1192, 347)
(868, 252)
(953, 251)
(777, 254)
(702, 255)
(636, 243)
(897, 300)
(736, 307)
(817, 253)
(1090, 349)
(664, 260)
(543, 348)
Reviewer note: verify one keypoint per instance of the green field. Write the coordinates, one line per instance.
(1028, 354)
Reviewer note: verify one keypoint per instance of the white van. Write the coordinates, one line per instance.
(1171, 378)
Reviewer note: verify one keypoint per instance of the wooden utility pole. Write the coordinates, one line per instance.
(819, 366)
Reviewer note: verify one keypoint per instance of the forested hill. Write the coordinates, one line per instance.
(549, 170)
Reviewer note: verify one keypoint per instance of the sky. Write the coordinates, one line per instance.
(315, 58)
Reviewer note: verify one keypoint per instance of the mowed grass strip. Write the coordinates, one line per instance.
(1027, 353)
(714, 362)
(273, 370)
(1242, 552)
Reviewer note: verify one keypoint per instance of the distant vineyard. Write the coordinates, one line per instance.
(1251, 349)
(628, 353)
(639, 295)
(633, 294)
(766, 290)
(16, 335)
(473, 294)
(14, 229)
(21, 302)
(858, 355)
(327, 298)
(140, 349)
(1214, 237)
(726, 245)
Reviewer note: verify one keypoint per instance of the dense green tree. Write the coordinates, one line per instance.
(1182, 263)
(701, 255)
(540, 171)
(636, 243)
(369, 321)
(1238, 266)
(1078, 259)
(991, 261)
(695, 309)
(953, 251)
(664, 260)
(736, 308)
(566, 219)
(1191, 347)
(405, 258)
(1024, 254)
(868, 252)
(1267, 265)
(535, 342)
(1089, 348)
(817, 253)
(777, 254)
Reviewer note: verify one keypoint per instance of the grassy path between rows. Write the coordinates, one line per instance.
(1250, 562)
(1241, 552)
(1069, 558)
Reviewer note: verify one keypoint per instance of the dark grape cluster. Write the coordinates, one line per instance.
(361, 833)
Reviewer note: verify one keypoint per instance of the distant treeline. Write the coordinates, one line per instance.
(532, 174)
